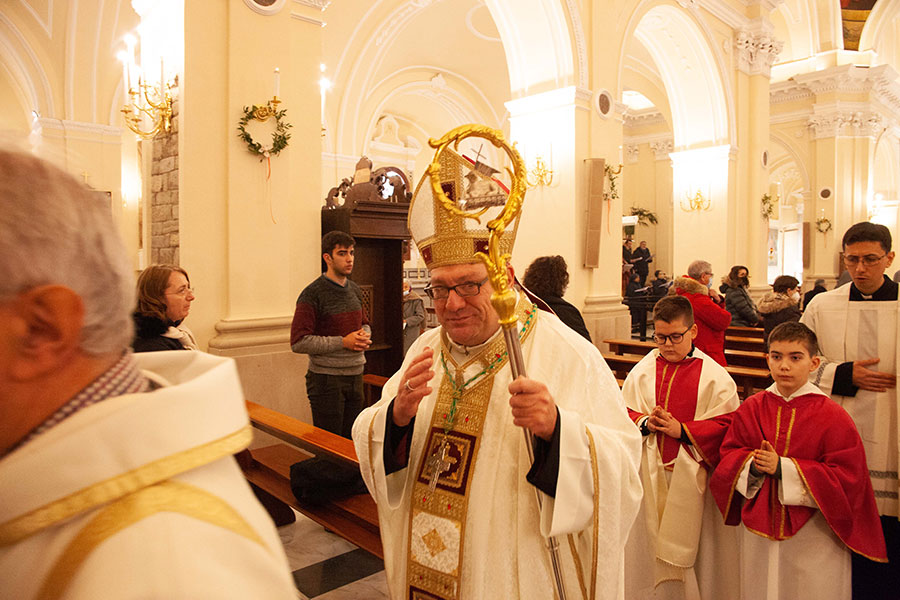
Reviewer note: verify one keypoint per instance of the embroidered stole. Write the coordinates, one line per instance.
(438, 519)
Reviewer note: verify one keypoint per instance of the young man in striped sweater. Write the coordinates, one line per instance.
(331, 326)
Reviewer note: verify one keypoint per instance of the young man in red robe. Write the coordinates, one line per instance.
(793, 470)
(681, 400)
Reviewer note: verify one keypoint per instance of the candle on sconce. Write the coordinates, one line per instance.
(277, 82)
(162, 76)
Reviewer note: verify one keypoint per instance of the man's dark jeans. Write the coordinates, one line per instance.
(335, 401)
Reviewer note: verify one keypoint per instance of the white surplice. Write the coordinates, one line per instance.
(505, 554)
(138, 496)
(679, 522)
(850, 331)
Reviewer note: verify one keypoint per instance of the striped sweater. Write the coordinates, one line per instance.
(326, 312)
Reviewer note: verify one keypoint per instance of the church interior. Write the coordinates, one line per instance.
(750, 132)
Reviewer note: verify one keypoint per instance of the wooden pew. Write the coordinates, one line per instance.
(748, 379)
(755, 344)
(355, 518)
(751, 332)
(741, 358)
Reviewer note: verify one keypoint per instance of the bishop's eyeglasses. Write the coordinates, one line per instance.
(675, 338)
(463, 290)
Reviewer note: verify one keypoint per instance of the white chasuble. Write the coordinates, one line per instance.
(850, 331)
(679, 547)
(480, 534)
(138, 496)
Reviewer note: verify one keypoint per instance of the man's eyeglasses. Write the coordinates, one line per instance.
(182, 291)
(868, 260)
(675, 338)
(463, 290)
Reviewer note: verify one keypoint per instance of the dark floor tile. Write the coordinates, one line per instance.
(335, 572)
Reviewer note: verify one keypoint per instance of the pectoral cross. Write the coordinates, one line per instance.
(438, 463)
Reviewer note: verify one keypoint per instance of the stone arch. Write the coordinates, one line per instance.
(693, 75)
(542, 40)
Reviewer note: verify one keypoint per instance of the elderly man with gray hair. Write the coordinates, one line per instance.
(118, 476)
(711, 318)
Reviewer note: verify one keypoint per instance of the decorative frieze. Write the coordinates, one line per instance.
(643, 118)
(756, 52)
(835, 122)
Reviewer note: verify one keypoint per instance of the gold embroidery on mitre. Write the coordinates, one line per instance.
(447, 239)
(445, 509)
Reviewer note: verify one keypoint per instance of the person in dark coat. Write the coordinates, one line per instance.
(780, 305)
(642, 259)
(818, 288)
(548, 277)
(164, 297)
(737, 299)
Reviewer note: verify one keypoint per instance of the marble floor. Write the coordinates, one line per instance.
(327, 567)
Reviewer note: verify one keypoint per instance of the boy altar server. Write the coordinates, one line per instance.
(681, 400)
(796, 457)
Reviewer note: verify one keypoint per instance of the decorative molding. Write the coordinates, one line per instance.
(317, 4)
(842, 121)
(756, 52)
(632, 153)
(726, 13)
(474, 30)
(239, 333)
(306, 19)
(78, 130)
(643, 118)
(580, 43)
(662, 148)
(689, 4)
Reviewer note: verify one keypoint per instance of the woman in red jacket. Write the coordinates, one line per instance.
(711, 317)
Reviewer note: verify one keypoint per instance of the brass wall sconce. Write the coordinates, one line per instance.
(153, 103)
(540, 175)
(696, 202)
(145, 103)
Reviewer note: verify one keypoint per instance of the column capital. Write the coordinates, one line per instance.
(756, 51)
(662, 148)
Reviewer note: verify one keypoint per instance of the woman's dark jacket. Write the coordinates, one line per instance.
(148, 335)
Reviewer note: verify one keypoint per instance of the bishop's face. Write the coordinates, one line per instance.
(468, 320)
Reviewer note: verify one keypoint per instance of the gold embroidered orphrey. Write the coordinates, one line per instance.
(438, 517)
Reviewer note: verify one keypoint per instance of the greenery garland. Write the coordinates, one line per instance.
(768, 206)
(280, 136)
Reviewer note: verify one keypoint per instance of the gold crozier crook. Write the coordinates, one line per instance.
(504, 298)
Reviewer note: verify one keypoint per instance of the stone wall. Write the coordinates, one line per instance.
(164, 230)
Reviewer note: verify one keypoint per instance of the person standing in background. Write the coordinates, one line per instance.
(642, 266)
(331, 326)
(413, 316)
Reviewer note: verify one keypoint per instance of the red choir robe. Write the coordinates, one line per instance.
(821, 440)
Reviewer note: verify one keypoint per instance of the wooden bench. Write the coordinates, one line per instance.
(751, 332)
(372, 385)
(742, 358)
(748, 379)
(733, 342)
(354, 518)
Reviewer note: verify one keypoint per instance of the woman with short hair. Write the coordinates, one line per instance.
(164, 297)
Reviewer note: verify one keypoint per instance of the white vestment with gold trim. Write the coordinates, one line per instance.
(126, 456)
(504, 553)
(679, 522)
